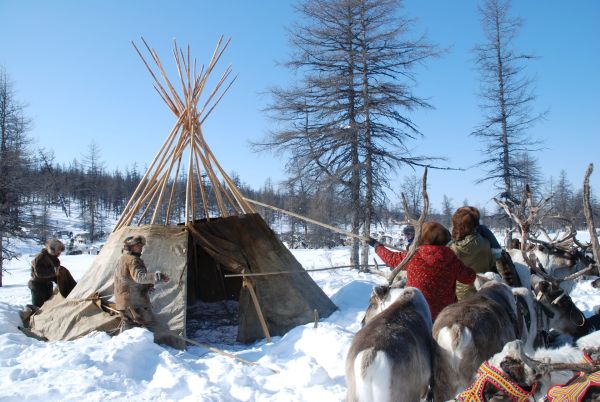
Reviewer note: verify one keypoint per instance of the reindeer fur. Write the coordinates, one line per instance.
(468, 332)
(390, 357)
(511, 361)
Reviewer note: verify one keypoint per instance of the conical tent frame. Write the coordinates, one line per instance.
(154, 194)
(221, 228)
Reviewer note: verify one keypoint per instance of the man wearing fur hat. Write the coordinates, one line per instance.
(132, 284)
(44, 269)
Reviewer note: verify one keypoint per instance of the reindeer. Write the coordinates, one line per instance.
(390, 358)
(544, 368)
(472, 330)
(561, 256)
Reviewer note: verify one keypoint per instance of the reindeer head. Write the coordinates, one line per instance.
(385, 295)
(559, 308)
(552, 256)
(381, 297)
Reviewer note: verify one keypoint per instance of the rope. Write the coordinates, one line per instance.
(294, 272)
(304, 218)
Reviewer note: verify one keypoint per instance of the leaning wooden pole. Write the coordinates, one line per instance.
(589, 216)
(418, 224)
(304, 218)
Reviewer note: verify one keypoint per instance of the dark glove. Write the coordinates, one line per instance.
(372, 242)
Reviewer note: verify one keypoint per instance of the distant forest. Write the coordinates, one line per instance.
(97, 197)
(345, 124)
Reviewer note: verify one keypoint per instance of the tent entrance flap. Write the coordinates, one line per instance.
(212, 300)
(206, 278)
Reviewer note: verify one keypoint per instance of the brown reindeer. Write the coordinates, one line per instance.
(470, 331)
(390, 358)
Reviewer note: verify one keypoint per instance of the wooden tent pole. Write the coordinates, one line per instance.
(214, 92)
(219, 99)
(248, 285)
(174, 94)
(206, 162)
(166, 176)
(213, 179)
(187, 192)
(150, 190)
(202, 190)
(158, 86)
(154, 191)
(221, 352)
(166, 144)
(155, 180)
(173, 188)
(304, 218)
(191, 177)
(246, 208)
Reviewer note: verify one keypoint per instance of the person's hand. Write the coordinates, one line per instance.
(160, 277)
(372, 242)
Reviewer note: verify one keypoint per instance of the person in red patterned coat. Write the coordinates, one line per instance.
(434, 269)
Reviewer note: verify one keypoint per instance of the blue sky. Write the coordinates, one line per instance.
(72, 63)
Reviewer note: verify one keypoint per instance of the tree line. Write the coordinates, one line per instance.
(344, 123)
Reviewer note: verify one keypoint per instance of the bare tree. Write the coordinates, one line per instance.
(90, 191)
(447, 211)
(530, 174)
(346, 120)
(507, 99)
(411, 188)
(13, 168)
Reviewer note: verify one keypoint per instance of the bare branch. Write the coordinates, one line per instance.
(417, 224)
(587, 211)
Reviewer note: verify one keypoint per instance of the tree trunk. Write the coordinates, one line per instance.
(1, 258)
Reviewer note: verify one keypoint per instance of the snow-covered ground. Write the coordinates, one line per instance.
(309, 361)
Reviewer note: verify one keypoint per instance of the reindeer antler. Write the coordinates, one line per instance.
(524, 221)
(545, 368)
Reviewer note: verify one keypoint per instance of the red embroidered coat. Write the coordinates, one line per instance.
(433, 270)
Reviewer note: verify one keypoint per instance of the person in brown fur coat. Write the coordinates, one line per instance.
(44, 268)
(132, 284)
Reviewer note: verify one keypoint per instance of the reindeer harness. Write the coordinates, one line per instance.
(576, 388)
(488, 374)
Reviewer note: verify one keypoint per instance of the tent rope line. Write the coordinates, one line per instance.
(304, 218)
(294, 272)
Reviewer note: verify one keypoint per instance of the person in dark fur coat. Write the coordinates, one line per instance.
(132, 285)
(44, 269)
(434, 269)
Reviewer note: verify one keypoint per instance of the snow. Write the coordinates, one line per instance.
(309, 362)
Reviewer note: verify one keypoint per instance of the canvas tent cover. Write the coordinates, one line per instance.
(238, 243)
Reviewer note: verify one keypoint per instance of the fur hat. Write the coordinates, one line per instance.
(434, 234)
(133, 240)
(55, 246)
(408, 231)
(464, 222)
